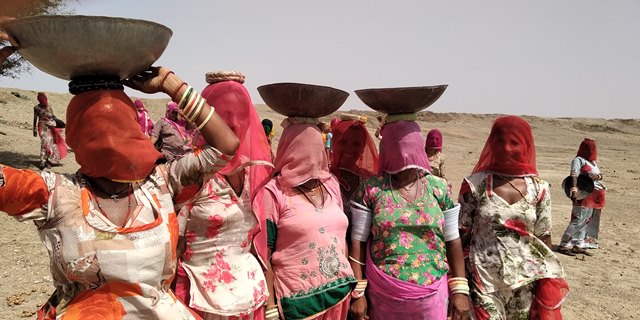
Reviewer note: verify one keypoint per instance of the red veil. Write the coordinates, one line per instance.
(519, 159)
(588, 150)
(233, 104)
(353, 149)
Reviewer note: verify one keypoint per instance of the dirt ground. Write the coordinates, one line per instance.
(605, 286)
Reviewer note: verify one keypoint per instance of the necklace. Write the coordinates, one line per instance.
(311, 190)
(114, 196)
(515, 188)
(405, 188)
(317, 208)
(126, 218)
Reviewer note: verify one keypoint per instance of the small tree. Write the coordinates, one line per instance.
(16, 65)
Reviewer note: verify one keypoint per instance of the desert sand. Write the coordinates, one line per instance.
(605, 286)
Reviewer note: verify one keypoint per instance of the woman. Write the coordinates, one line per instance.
(52, 145)
(218, 276)
(582, 232)
(308, 273)
(354, 157)
(398, 236)
(111, 230)
(269, 130)
(505, 224)
(146, 125)
(170, 134)
(433, 147)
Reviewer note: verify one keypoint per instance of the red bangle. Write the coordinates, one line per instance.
(165, 78)
(177, 89)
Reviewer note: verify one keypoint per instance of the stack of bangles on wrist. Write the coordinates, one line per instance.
(191, 105)
(272, 313)
(458, 285)
(358, 292)
(574, 189)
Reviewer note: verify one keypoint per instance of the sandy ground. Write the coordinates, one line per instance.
(605, 286)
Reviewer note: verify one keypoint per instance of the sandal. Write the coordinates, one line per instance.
(582, 251)
(566, 251)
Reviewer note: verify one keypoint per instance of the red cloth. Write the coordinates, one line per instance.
(595, 200)
(58, 139)
(434, 139)
(42, 99)
(588, 150)
(301, 156)
(509, 149)
(233, 104)
(402, 147)
(103, 131)
(353, 149)
(548, 299)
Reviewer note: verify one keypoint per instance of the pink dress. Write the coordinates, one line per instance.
(312, 276)
(223, 277)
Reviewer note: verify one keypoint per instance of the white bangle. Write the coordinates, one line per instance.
(451, 231)
(184, 96)
(206, 119)
(197, 109)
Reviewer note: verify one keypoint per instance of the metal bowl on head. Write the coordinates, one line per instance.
(73, 47)
(402, 99)
(302, 100)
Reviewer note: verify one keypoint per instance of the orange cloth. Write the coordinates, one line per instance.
(103, 130)
(23, 191)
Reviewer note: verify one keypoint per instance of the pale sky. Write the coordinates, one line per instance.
(572, 58)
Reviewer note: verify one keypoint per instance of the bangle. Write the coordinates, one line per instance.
(356, 260)
(184, 96)
(356, 294)
(197, 110)
(574, 189)
(272, 313)
(190, 103)
(165, 78)
(176, 91)
(206, 119)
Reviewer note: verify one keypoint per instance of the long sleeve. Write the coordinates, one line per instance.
(23, 194)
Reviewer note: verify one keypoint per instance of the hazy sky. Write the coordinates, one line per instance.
(572, 58)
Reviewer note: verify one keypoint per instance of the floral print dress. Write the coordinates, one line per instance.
(503, 240)
(225, 278)
(311, 270)
(407, 239)
(100, 269)
(49, 150)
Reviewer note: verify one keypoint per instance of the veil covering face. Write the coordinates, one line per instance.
(353, 150)
(402, 147)
(103, 131)
(233, 104)
(509, 149)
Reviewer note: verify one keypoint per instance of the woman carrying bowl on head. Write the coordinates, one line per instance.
(218, 276)
(398, 236)
(505, 224)
(308, 273)
(52, 145)
(111, 229)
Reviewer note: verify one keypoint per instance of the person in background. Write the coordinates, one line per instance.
(327, 138)
(269, 130)
(110, 229)
(308, 273)
(505, 226)
(582, 231)
(433, 147)
(378, 132)
(170, 135)
(218, 276)
(400, 251)
(354, 158)
(146, 124)
(53, 148)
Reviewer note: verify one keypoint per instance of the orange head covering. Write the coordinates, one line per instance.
(353, 149)
(103, 131)
(588, 150)
(509, 149)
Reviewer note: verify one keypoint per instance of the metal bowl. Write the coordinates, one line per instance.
(400, 100)
(72, 47)
(302, 100)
